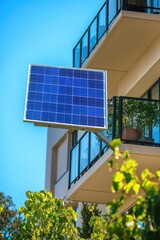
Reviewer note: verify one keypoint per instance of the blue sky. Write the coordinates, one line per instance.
(32, 32)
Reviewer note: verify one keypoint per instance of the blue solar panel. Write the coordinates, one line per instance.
(65, 97)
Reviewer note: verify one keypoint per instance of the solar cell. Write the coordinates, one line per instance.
(66, 97)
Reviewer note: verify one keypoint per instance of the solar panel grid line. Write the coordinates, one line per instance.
(66, 96)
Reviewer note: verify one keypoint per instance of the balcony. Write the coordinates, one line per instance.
(89, 179)
(121, 41)
(102, 23)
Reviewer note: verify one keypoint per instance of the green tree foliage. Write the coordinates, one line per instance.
(9, 218)
(143, 221)
(88, 211)
(46, 218)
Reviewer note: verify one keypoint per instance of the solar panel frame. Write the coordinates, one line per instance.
(55, 83)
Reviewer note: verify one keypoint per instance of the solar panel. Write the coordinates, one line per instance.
(66, 97)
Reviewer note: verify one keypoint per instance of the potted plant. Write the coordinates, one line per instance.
(130, 119)
(139, 116)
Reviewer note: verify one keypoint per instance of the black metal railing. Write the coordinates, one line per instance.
(133, 120)
(84, 154)
(136, 120)
(101, 24)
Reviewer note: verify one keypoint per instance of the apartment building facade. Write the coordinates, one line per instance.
(124, 40)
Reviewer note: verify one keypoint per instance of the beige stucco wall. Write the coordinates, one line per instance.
(54, 136)
(143, 74)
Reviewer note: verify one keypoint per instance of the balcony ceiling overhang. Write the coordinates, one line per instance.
(128, 37)
(95, 185)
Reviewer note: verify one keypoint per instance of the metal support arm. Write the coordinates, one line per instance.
(102, 137)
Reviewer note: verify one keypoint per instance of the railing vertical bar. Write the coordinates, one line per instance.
(79, 149)
(114, 117)
(89, 149)
(73, 60)
(69, 182)
(159, 88)
(107, 15)
(100, 146)
(97, 30)
(80, 53)
(88, 49)
(120, 117)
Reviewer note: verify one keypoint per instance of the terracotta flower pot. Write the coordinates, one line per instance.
(131, 134)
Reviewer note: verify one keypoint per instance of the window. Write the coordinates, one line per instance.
(155, 91)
